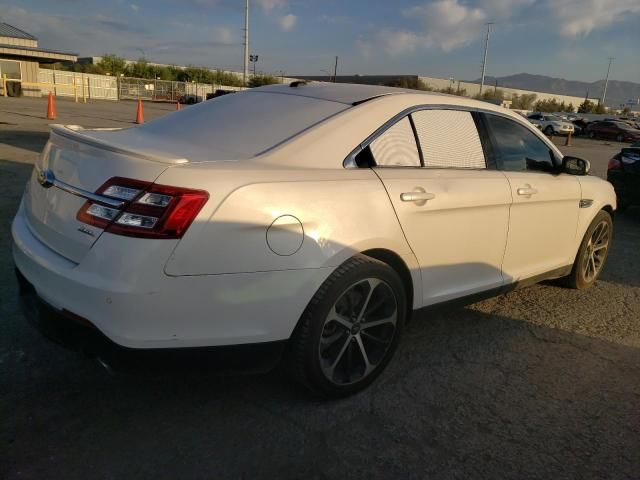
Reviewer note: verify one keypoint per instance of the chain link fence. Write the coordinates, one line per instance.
(105, 87)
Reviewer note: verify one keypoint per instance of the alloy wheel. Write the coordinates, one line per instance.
(596, 251)
(358, 331)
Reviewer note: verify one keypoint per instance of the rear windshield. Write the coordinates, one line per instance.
(230, 127)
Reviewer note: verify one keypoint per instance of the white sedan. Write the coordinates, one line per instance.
(314, 217)
(551, 124)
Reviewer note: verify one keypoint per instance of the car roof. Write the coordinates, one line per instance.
(346, 93)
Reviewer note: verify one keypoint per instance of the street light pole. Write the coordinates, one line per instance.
(484, 61)
(335, 70)
(245, 71)
(606, 82)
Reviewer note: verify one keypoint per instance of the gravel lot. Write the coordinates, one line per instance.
(542, 382)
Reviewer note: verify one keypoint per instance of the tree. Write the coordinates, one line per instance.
(413, 83)
(626, 111)
(139, 69)
(570, 108)
(586, 107)
(524, 101)
(491, 95)
(113, 64)
(601, 109)
(260, 80)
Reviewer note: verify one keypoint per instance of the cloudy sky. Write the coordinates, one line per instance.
(563, 38)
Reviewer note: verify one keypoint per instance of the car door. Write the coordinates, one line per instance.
(543, 217)
(452, 208)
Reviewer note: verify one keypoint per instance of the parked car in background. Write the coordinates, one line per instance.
(613, 130)
(579, 126)
(310, 217)
(551, 124)
(624, 174)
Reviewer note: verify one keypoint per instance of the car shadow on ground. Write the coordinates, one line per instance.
(28, 140)
(469, 394)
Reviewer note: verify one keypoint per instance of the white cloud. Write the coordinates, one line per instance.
(288, 22)
(397, 42)
(269, 5)
(223, 35)
(135, 7)
(581, 17)
(448, 24)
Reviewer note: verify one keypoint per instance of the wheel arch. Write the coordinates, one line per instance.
(396, 262)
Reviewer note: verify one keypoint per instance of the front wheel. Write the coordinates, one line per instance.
(350, 329)
(549, 131)
(620, 137)
(592, 253)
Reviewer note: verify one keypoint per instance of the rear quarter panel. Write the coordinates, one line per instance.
(341, 212)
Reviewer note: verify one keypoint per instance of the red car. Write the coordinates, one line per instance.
(619, 131)
(624, 173)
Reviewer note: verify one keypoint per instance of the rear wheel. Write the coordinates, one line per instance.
(620, 137)
(549, 130)
(350, 329)
(592, 135)
(592, 253)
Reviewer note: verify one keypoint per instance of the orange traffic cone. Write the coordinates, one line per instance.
(178, 107)
(51, 108)
(139, 112)
(567, 143)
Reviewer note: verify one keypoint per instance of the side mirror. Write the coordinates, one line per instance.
(575, 166)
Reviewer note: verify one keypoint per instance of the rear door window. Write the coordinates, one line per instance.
(448, 139)
(396, 147)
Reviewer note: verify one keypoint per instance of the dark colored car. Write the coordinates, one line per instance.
(624, 174)
(579, 126)
(619, 131)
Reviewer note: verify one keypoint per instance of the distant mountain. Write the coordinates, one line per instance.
(617, 92)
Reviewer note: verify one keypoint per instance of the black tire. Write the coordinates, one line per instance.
(305, 359)
(592, 135)
(548, 131)
(620, 138)
(578, 279)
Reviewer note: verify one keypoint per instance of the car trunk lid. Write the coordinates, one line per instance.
(72, 167)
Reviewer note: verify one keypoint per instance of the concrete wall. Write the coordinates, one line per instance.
(474, 88)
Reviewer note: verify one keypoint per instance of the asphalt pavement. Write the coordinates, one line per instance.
(543, 382)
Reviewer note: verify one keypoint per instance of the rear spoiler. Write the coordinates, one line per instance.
(79, 134)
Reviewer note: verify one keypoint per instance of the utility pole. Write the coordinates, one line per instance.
(484, 61)
(335, 70)
(245, 42)
(606, 82)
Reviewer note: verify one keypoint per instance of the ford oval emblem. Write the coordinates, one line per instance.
(46, 178)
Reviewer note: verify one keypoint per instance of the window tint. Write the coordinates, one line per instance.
(396, 147)
(517, 148)
(448, 139)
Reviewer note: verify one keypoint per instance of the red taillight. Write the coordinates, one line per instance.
(614, 164)
(148, 210)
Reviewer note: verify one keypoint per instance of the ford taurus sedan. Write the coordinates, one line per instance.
(314, 217)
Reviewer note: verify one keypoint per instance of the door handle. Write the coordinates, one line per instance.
(418, 196)
(527, 191)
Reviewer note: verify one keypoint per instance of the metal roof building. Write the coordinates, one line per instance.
(20, 57)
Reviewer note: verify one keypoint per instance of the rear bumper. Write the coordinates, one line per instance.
(78, 334)
(121, 289)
